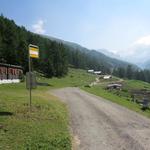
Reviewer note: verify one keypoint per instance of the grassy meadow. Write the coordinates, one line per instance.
(46, 126)
(122, 97)
(75, 78)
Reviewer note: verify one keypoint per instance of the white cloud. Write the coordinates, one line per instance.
(139, 51)
(39, 27)
(143, 41)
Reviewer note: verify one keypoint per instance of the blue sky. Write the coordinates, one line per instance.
(117, 25)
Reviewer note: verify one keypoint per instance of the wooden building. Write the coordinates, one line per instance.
(10, 72)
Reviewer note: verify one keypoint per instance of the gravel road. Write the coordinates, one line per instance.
(98, 124)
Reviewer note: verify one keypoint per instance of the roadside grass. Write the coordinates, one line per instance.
(121, 99)
(75, 78)
(46, 126)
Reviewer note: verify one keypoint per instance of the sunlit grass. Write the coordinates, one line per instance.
(46, 126)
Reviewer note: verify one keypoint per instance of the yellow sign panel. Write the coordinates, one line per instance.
(33, 51)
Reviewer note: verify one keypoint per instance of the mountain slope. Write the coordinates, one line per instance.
(70, 44)
(55, 54)
(109, 53)
(96, 55)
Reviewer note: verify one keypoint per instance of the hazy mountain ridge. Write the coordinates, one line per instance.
(147, 64)
(142, 63)
(139, 54)
(109, 53)
(71, 44)
(96, 54)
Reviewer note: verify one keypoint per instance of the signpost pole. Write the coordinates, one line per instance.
(33, 53)
(30, 93)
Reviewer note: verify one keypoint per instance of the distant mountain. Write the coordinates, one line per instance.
(109, 53)
(138, 54)
(113, 62)
(70, 44)
(142, 62)
(103, 56)
(147, 65)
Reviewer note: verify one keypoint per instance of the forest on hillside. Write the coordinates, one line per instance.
(56, 57)
(131, 73)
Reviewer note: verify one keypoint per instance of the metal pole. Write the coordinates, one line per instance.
(30, 94)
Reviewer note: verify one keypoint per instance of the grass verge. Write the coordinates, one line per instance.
(46, 127)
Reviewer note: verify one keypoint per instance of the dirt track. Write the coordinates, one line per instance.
(98, 124)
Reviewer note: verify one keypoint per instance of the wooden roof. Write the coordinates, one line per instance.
(9, 65)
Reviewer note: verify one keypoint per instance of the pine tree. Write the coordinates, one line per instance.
(129, 72)
(121, 72)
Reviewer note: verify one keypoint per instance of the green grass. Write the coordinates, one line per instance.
(75, 78)
(136, 84)
(121, 100)
(46, 126)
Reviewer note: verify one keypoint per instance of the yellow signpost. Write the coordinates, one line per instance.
(33, 53)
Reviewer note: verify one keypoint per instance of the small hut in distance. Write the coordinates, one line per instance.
(94, 72)
(114, 86)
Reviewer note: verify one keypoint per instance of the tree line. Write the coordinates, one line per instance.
(131, 73)
(14, 41)
(55, 57)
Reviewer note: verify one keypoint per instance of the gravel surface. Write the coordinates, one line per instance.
(99, 124)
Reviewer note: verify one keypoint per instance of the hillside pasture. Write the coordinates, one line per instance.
(122, 97)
